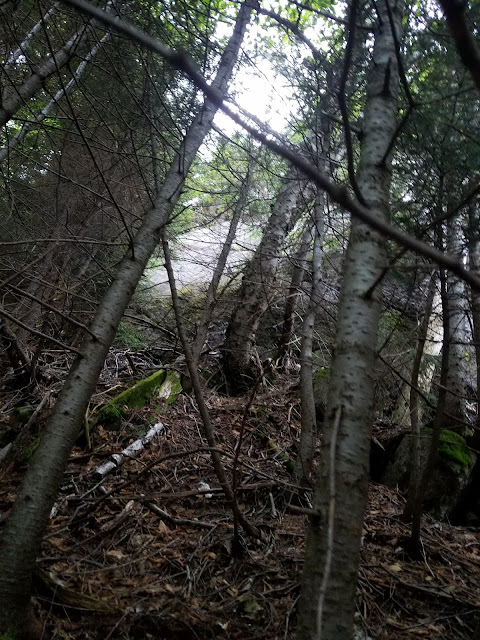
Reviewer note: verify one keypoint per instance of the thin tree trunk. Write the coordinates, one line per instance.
(329, 580)
(240, 364)
(22, 533)
(417, 506)
(19, 96)
(308, 433)
(299, 269)
(455, 402)
(415, 470)
(28, 126)
(210, 300)
(202, 406)
(21, 49)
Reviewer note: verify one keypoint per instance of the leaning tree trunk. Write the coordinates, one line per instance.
(17, 96)
(329, 580)
(241, 364)
(22, 533)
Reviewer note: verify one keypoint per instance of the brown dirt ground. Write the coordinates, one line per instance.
(113, 566)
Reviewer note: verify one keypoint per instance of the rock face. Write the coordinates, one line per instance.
(451, 473)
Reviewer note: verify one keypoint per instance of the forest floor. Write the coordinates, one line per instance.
(144, 553)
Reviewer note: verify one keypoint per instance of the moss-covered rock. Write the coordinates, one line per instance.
(453, 448)
(450, 476)
(163, 386)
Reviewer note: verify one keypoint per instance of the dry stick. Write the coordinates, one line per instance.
(338, 193)
(34, 332)
(330, 524)
(202, 407)
(166, 517)
(28, 266)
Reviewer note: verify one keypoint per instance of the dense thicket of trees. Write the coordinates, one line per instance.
(110, 152)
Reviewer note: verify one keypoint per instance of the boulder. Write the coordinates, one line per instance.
(450, 476)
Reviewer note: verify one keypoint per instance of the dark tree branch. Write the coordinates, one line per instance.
(467, 47)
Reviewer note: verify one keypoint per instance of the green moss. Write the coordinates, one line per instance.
(453, 448)
(164, 385)
(136, 396)
(171, 388)
(321, 374)
(261, 412)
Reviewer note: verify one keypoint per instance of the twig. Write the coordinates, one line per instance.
(34, 332)
(166, 517)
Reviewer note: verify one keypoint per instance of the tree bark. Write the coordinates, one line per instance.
(308, 433)
(415, 470)
(456, 341)
(474, 259)
(329, 580)
(240, 362)
(220, 266)
(300, 265)
(22, 533)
